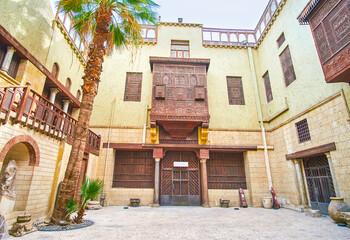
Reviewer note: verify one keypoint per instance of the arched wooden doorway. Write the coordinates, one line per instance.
(180, 179)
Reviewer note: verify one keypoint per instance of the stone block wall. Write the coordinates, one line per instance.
(328, 122)
(121, 196)
(233, 195)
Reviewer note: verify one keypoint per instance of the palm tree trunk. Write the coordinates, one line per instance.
(91, 79)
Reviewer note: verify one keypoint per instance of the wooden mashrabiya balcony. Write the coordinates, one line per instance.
(27, 107)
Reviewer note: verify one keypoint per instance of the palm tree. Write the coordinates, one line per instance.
(107, 23)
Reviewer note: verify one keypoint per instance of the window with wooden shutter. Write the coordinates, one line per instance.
(180, 49)
(14, 66)
(235, 91)
(3, 51)
(133, 87)
(268, 90)
(287, 66)
(303, 131)
(55, 69)
(133, 169)
(281, 40)
(226, 171)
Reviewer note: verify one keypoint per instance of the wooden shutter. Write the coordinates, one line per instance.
(133, 87)
(287, 66)
(235, 91)
(14, 66)
(226, 171)
(268, 90)
(133, 169)
(281, 40)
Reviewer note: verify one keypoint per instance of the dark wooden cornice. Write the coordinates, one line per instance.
(186, 61)
(135, 146)
(311, 152)
(8, 39)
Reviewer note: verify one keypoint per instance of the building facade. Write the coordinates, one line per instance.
(188, 118)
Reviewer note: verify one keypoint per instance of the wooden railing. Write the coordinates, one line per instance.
(29, 108)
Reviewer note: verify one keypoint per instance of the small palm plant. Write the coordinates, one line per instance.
(89, 190)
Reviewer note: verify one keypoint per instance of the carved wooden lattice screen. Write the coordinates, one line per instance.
(287, 66)
(133, 169)
(133, 87)
(235, 91)
(226, 171)
(268, 90)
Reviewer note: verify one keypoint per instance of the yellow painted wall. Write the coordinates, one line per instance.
(31, 23)
(310, 86)
(224, 62)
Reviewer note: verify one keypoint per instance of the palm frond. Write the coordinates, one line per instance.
(71, 207)
(90, 189)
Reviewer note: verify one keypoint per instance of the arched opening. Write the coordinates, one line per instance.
(68, 84)
(16, 178)
(78, 94)
(55, 69)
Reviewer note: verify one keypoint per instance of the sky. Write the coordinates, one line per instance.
(234, 14)
(241, 14)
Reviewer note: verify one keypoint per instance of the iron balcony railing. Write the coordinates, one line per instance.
(29, 108)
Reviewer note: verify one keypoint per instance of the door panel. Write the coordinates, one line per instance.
(319, 182)
(180, 186)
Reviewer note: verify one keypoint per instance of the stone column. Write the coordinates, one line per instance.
(8, 58)
(204, 183)
(300, 181)
(65, 105)
(331, 168)
(53, 92)
(156, 182)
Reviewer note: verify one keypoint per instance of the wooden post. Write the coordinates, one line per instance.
(156, 182)
(204, 183)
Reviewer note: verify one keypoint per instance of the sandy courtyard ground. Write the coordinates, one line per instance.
(199, 223)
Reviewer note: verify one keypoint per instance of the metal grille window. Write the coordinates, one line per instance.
(133, 87)
(226, 171)
(287, 66)
(281, 40)
(303, 131)
(235, 91)
(268, 90)
(133, 169)
(180, 49)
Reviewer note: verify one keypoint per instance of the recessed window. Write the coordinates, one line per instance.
(2, 53)
(268, 90)
(180, 49)
(287, 66)
(133, 169)
(235, 91)
(55, 70)
(68, 84)
(303, 131)
(14, 66)
(281, 40)
(133, 87)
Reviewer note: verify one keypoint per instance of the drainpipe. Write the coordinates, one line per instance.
(258, 106)
(108, 143)
(145, 126)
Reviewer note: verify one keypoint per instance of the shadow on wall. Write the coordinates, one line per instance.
(30, 23)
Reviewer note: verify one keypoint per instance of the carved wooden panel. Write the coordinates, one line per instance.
(133, 87)
(330, 23)
(287, 66)
(235, 91)
(185, 97)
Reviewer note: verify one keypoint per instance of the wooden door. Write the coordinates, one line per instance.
(180, 186)
(319, 182)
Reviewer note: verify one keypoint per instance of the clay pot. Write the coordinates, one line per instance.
(267, 202)
(335, 208)
(23, 218)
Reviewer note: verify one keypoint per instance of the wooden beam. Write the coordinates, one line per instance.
(312, 151)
